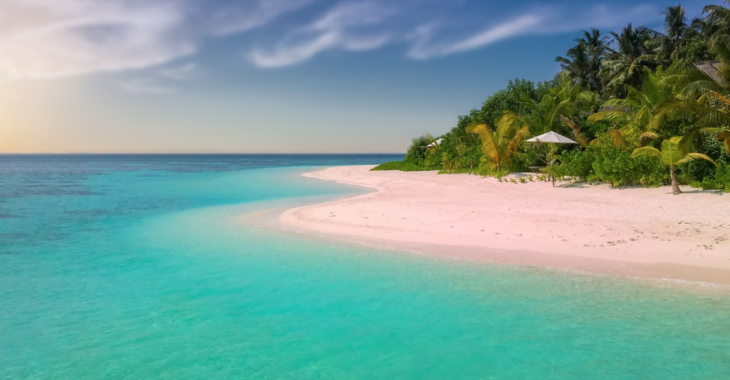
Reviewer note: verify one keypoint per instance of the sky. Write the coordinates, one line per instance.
(273, 76)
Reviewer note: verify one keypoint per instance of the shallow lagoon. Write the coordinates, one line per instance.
(140, 267)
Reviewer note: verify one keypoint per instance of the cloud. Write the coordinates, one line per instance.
(373, 24)
(424, 49)
(44, 39)
(242, 16)
(344, 27)
(54, 38)
(541, 21)
(49, 39)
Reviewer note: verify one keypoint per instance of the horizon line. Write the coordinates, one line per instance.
(182, 153)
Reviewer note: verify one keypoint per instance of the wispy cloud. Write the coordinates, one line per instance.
(348, 26)
(423, 47)
(44, 39)
(540, 21)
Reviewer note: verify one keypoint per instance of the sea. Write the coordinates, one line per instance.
(145, 267)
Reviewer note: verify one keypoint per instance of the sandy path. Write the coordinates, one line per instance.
(645, 232)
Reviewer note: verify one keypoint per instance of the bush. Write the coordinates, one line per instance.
(720, 180)
(417, 152)
(521, 162)
(613, 165)
(402, 166)
(577, 163)
(699, 170)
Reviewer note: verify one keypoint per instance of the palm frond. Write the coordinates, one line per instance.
(700, 156)
(646, 151)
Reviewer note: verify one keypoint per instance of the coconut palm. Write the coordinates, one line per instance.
(675, 28)
(583, 62)
(624, 65)
(641, 111)
(672, 155)
(500, 144)
(564, 99)
(720, 17)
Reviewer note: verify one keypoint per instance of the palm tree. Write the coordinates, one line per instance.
(564, 99)
(584, 60)
(720, 19)
(641, 110)
(671, 155)
(675, 27)
(499, 145)
(624, 65)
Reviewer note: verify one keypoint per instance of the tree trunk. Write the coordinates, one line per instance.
(675, 184)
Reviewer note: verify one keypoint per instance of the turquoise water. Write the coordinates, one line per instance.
(139, 267)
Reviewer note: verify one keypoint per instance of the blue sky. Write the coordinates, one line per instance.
(273, 75)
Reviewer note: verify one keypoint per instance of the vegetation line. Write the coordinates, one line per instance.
(635, 101)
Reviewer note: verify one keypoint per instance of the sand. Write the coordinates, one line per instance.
(644, 232)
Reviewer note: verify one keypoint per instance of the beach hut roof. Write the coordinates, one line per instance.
(552, 137)
(435, 143)
(712, 69)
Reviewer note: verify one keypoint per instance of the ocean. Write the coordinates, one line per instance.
(143, 267)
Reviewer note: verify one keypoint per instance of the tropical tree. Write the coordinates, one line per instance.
(500, 144)
(625, 65)
(583, 62)
(675, 28)
(564, 99)
(719, 18)
(672, 155)
(510, 99)
(641, 112)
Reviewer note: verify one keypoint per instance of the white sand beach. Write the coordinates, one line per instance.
(645, 232)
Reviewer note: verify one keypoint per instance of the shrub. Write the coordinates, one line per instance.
(402, 166)
(417, 152)
(699, 170)
(577, 163)
(613, 165)
(531, 157)
(720, 180)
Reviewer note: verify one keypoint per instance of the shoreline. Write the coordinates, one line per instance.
(585, 228)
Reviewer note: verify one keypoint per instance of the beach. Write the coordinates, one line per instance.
(641, 232)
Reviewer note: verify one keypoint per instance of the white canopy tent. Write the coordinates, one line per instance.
(552, 137)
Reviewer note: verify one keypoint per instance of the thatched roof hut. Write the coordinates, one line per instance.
(711, 68)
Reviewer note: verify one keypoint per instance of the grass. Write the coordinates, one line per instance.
(402, 166)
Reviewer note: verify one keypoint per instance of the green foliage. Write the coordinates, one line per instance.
(613, 165)
(499, 145)
(417, 152)
(403, 166)
(577, 163)
(719, 180)
(612, 98)
(698, 170)
(459, 151)
(509, 99)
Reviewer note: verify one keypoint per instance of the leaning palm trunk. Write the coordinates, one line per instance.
(675, 185)
(672, 154)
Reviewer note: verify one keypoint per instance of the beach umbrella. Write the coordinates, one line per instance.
(434, 144)
(552, 137)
